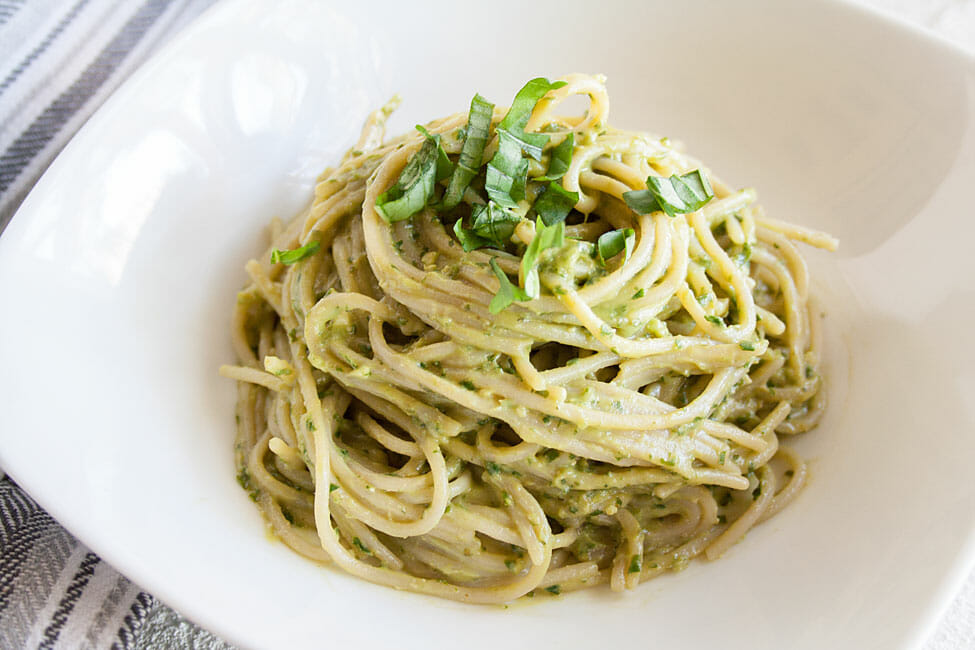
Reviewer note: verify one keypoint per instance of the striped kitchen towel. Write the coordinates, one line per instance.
(55, 593)
(59, 60)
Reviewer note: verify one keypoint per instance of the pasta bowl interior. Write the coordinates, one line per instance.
(124, 264)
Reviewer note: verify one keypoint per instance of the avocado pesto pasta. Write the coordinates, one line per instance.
(514, 351)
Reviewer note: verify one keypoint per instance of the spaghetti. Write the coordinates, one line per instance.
(518, 351)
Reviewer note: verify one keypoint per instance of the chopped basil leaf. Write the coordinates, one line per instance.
(507, 172)
(561, 157)
(545, 237)
(747, 345)
(444, 167)
(491, 225)
(612, 243)
(467, 238)
(555, 203)
(494, 223)
(294, 255)
(714, 319)
(507, 293)
(678, 194)
(476, 136)
(521, 109)
(694, 189)
(415, 184)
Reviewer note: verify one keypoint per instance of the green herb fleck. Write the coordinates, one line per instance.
(636, 564)
(359, 545)
(244, 480)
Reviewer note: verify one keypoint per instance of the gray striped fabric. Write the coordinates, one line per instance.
(59, 60)
(55, 593)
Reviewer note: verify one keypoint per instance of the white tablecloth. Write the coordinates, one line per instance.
(59, 59)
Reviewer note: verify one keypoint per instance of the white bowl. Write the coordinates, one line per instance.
(118, 275)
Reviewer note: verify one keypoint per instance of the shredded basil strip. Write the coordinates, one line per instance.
(612, 243)
(678, 194)
(414, 187)
(507, 172)
(294, 255)
(545, 237)
(475, 138)
(444, 167)
(555, 203)
(467, 238)
(491, 225)
(507, 293)
(558, 164)
(415, 184)
(521, 109)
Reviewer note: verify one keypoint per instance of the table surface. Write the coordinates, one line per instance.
(148, 623)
